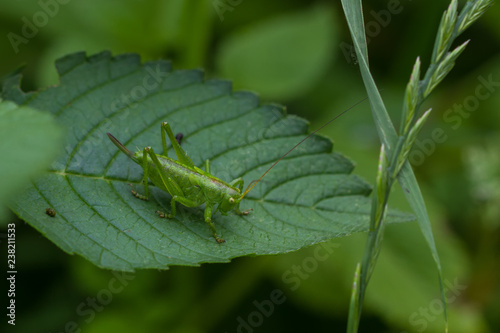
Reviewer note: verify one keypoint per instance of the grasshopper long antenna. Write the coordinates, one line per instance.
(254, 182)
(122, 147)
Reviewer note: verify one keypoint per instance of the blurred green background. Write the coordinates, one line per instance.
(291, 52)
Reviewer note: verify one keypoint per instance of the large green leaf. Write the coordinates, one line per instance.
(308, 198)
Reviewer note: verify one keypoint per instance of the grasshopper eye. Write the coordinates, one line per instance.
(231, 200)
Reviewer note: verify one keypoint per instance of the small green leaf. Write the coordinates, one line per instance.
(443, 68)
(309, 197)
(471, 12)
(411, 98)
(29, 142)
(282, 57)
(445, 32)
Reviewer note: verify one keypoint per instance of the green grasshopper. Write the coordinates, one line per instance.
(190, 185)
(186, 183)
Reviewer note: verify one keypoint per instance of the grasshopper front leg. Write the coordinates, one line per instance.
(238, 183)
(242, 212)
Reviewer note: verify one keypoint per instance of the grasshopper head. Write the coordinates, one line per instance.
(230, 201)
